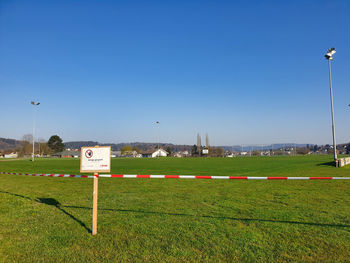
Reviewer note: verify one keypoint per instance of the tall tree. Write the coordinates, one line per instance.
(194, 150)
(43, 147)
(207, 141)
(136, 149)
(127, 149)
(55, 144)
(199, 144)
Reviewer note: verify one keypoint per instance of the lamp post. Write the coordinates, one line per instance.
(329, 57)
(34, 104)
(158, 136)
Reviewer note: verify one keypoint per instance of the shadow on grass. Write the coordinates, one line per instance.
(52, 202)
(215, 217)
(327, 164)
(17, 195)
(55, 203)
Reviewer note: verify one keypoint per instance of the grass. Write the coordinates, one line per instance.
(155, 220)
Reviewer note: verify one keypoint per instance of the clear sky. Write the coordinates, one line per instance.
(245, 72)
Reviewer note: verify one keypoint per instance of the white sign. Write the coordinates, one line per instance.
(95, 159)
(205, 151)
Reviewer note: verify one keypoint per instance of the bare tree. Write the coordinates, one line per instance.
(27, 138)
(44, 149)
(26, 145)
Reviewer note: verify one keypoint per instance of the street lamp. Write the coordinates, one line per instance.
(329, 57)
(34, 104)
(157, 122)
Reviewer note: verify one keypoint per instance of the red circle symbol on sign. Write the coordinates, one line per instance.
(88, 153)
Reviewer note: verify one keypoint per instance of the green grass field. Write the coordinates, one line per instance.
(155, 220)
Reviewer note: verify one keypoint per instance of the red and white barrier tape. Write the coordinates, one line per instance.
(52, 175)
(183, 176)
(217, 177)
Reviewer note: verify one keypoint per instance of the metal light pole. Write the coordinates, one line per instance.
(34, 104)
(329, 57)
(158, 136)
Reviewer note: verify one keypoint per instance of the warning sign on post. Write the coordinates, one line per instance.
(95, 159)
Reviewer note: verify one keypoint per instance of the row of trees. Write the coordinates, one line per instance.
(41, 147)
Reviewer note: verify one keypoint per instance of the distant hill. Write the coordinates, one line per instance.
(9, 144)
(78, 144)
(247, 148)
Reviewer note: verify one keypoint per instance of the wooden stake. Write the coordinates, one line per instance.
(94, 205)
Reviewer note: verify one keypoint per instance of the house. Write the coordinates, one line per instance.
(11, 155)
(67, 154)
(186, 153)
(181, 154)
(115, 154)
(153, 153)
(205, 151)
(147, 154)
(159, 153)
(130, 154)
(177, 154)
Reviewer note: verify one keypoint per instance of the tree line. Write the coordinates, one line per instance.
(41, 147)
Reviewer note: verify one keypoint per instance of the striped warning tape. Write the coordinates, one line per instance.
(183, 176)
(52, 175)
(218, 177)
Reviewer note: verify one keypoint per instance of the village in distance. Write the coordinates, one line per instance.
(56, 148)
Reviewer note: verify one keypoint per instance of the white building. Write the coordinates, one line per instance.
(181, 154)
(11, 155)
(115, 154)
(160, 153)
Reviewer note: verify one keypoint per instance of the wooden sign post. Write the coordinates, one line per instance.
(94, 205)
(95, 160)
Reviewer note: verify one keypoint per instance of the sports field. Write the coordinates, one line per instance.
(45, 219)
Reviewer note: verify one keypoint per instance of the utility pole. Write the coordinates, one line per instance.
(35, 104)
(329, 57)
(158, 137)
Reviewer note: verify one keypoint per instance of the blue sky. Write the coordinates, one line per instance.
(245, 72)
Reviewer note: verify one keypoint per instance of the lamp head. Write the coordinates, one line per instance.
(330, 53)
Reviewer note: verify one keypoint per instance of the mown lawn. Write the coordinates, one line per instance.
(155, 220)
